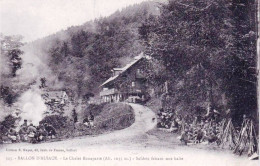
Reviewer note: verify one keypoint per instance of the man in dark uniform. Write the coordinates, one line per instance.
(50, 130)
(91, 119)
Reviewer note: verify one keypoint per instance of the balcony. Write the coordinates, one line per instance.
(135, 90)
(108, 92)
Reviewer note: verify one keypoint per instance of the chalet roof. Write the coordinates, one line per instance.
(55, 94)
(124, 69)
(118, 69)
(109, 80)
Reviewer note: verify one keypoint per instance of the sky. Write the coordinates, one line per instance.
(34, 19)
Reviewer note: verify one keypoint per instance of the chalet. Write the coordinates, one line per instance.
(56, 101)
(127, 83)
(57, 97)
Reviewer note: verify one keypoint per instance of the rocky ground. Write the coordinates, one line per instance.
(139, 144)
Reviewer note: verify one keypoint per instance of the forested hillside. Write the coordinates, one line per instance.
(207, 52)
(82, 57)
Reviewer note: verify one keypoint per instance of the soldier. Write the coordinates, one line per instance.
(91, 119)
(50, 130)
(12, 135)
(40, 133)
(199, 135)
(86, 122)
(184, 137)
(24, 123)
(31, 130)
(23, 131)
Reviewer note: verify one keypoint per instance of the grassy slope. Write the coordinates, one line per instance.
(108, 117)
(115, 116)
(114, 110)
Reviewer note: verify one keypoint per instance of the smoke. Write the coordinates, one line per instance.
(26, 83)
(35, 66)
(4, 110)
(32, 106)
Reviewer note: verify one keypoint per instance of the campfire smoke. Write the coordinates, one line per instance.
(35, 66)
(32, 106)
(26, 84)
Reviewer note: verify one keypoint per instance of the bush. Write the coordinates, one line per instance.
(95, 109)
(57, 121)
(114, 110)
(5, 125)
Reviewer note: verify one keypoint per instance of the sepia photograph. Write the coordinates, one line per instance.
(129, 82)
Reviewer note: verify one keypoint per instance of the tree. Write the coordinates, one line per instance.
(10, 62)
(10, 50)
(240, 80)
(87, 96)
(74, 115)
(7, 95)
(196, 42)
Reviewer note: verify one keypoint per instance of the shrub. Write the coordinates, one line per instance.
(57, 121)
(95, 109)
(5, 125)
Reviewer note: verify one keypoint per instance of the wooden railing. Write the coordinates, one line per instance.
(108, 92)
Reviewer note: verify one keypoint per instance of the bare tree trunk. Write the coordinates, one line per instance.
(258, 53)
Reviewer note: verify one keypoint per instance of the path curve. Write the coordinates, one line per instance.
(134, 142)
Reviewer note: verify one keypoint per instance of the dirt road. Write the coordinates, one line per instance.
(135, 145)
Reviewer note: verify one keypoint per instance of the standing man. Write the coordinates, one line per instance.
(75, 117)
(91, 119)
(31, 130)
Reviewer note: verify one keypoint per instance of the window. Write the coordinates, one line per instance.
(133, 84)
(139, 71)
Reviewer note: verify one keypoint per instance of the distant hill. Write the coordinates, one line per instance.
(80, 58)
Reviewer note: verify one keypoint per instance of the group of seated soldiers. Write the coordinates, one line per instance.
(204, 131)
(192, 129)
(42, 132)
(31, 133)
